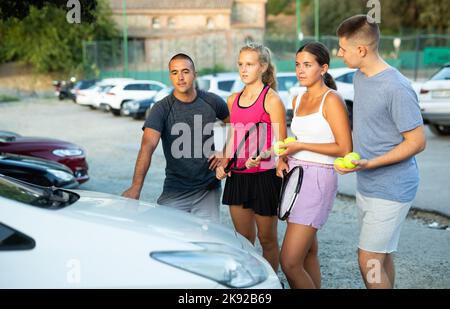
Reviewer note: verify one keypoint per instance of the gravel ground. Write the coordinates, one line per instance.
(111, 143)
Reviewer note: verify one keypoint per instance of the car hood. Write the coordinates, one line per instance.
(33, 161)
(40, 142)
(142, 217)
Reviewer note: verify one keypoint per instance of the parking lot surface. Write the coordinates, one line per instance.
(112, 143)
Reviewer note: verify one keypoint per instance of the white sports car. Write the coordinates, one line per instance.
(55, 238)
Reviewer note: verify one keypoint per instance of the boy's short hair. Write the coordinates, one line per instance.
(185, 57)
(360, 29)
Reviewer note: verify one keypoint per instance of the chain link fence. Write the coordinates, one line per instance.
(416, 56)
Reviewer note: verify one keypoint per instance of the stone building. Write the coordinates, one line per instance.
(211, 31)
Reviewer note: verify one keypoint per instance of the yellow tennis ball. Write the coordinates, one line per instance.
(277, 149)
(339, 162)
(349, 157)
(290, 139)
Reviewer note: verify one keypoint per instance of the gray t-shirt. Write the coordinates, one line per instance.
(188, 139)
(385, 105)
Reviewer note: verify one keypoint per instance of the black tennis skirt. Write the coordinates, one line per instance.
(257, 191)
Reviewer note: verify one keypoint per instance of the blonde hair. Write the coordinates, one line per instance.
(264, 57)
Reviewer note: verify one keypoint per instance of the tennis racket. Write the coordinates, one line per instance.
(290, 187)
(251, 146)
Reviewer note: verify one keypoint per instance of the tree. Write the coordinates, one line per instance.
(47, 41)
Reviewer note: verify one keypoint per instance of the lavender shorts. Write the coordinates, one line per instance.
(316, 197)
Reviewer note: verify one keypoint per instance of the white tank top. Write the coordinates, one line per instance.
(312, 129)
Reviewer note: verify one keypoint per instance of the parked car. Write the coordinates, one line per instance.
(93, 95)
(116, 96)
(71, 155)
(81, 85)
(139, 109)
(344, 82)
(54, 238)
(434, 101)
(37, 171)
(285, 81)
(220, 83)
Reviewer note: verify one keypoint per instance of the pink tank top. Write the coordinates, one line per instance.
(242, 118)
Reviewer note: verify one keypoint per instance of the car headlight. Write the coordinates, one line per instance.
(67, 152)
(226, 265)
(61, 174)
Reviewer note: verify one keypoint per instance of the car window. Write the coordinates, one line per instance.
(10, 239)
(225, 85)
(86, 84)
(346, 78)
(105, 88)
(155, 87)
(203, 84)
(443, 74)
(133, 87)
(284, 83)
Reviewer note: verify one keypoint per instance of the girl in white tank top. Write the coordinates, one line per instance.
(322, 128)
(312, 128)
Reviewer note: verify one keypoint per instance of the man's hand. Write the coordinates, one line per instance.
(214, 161)
(220, 173)
(132, 192)
(362, 164)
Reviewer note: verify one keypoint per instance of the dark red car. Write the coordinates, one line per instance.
(71, 155)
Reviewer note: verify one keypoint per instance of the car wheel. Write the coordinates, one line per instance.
(115, 112)
(440, 130)
(121, 107)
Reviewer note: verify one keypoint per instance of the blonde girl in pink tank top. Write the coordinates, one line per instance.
(253, 194)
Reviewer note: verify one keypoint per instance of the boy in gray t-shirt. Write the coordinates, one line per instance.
(387, 133)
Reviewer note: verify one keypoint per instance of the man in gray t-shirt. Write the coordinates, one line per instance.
(387, 133)
(184, 121)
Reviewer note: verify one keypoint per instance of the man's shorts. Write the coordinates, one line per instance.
(380, 223)
(201, 203)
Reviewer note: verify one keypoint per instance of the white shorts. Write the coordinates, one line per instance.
(380, 223)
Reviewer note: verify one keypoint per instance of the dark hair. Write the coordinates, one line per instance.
(264, 56)
(322, 55)
(360, 28)
(185, 57)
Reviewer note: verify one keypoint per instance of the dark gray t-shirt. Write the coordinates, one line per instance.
(187, 135)
(385, 106)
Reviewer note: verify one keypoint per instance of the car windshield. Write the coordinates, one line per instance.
(443, 74)
(42, 197)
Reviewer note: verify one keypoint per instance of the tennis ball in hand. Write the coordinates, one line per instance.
(290, 139)
(277, 149)
(339, 162)
(349, 157)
